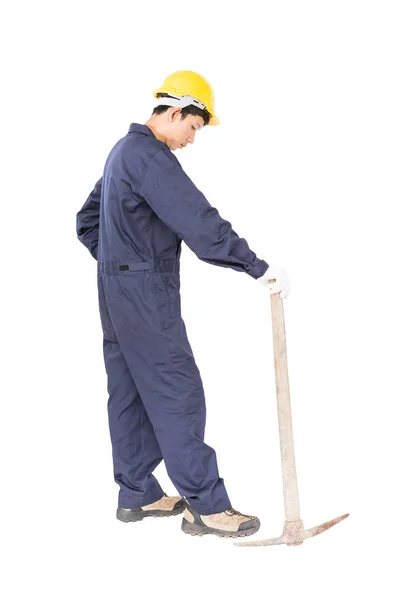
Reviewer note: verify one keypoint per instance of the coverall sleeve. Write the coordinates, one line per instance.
(87, 220)
(180, 205)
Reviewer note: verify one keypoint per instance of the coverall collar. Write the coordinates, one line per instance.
(137, 127)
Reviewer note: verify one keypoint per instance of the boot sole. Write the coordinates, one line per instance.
(193, 529)
(132, 517)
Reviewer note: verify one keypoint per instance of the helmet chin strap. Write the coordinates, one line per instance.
(180, 102)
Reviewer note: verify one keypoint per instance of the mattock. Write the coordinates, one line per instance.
(293, 530)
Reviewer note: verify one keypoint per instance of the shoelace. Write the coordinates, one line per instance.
(232, 512)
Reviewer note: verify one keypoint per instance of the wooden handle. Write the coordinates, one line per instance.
(289, 476)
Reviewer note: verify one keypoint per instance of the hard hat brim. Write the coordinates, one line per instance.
(213, 119)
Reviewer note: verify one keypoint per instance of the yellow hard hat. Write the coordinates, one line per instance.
(188, 87)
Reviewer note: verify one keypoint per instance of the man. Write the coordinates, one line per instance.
(133, 224)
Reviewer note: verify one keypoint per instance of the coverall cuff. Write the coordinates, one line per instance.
(258, 268)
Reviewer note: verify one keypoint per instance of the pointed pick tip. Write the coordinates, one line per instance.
(342, 517)
(321, 528)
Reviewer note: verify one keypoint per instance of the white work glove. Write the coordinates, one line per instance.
(282, 283)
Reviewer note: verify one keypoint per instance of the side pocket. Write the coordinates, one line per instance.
(106, 324)
(172, 282)
(166, 288)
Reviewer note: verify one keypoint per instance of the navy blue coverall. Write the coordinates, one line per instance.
(133, 223)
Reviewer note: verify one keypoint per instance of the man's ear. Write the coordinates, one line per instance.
(173, 115)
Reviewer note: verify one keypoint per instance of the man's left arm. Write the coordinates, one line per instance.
(88, 219)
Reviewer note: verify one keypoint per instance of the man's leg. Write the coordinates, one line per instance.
(135, 448)
(136, 452)
(170, 386)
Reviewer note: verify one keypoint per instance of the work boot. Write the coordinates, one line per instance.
(229, 523)
(166, 506)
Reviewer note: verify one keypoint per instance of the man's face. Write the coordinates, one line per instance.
(180, 132)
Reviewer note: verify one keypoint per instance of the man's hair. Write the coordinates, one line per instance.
(188, 110)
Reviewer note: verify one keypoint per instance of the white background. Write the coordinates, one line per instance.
(305, 165)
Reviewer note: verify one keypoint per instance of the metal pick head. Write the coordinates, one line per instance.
(294, 533)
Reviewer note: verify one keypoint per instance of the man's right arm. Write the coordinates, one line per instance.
(180, 205)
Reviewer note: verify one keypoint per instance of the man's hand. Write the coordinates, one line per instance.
(281, 283)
